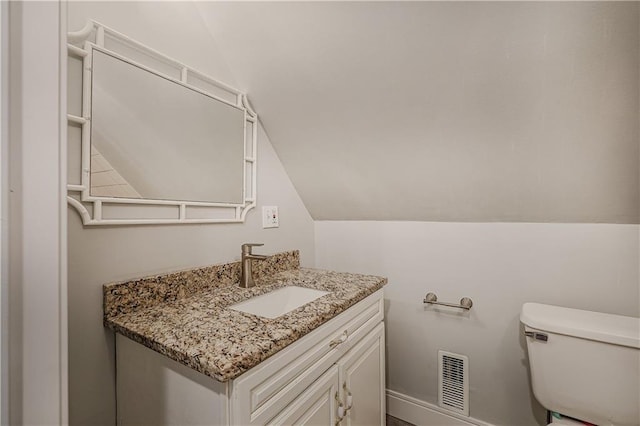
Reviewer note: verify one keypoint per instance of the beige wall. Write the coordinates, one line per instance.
(101, 255)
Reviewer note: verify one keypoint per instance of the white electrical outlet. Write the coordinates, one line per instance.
(270, 217)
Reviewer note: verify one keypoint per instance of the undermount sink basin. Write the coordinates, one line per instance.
(278, 302)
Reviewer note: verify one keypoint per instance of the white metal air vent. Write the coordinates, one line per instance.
(453, 382)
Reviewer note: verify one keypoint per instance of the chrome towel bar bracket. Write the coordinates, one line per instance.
(465, 303)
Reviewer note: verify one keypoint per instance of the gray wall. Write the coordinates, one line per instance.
(102, 255)
(498, 265)
(406, 111)
(446, 111)
(426, 112)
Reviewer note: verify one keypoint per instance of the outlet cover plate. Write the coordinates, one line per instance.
(270, 217)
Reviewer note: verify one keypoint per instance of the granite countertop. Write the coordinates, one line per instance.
(192, 324)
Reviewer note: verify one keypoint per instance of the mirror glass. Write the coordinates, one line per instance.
(153, 138)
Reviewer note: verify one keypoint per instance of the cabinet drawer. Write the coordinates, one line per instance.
(265, 390)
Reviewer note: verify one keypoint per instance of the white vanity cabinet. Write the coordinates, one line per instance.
(334, 374)
(349, 392)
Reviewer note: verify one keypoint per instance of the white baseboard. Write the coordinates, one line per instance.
(423, 413)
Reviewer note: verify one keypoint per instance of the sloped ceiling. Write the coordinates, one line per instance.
(500, 111)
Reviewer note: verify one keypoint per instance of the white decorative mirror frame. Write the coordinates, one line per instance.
(109, 210)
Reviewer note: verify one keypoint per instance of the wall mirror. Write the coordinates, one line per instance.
(158, 141)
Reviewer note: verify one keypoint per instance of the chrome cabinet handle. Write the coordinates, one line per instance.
(340, 340)
(349, 397)
(341, 410)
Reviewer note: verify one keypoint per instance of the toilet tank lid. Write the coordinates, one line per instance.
(609, 328)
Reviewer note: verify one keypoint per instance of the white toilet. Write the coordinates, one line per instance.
(584, 364)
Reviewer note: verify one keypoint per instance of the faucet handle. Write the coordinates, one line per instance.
(246, 247)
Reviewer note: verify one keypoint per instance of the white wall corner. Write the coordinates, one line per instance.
(37, 372)
(4, 212)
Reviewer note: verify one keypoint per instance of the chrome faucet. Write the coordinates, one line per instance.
(246, 275)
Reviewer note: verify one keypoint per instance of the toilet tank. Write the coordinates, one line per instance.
(584, 364)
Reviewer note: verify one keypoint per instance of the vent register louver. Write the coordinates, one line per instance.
(453, 382)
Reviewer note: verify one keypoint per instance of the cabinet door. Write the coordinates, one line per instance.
(362, 377)
(316, 406)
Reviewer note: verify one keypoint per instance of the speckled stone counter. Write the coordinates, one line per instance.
(185, 315)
